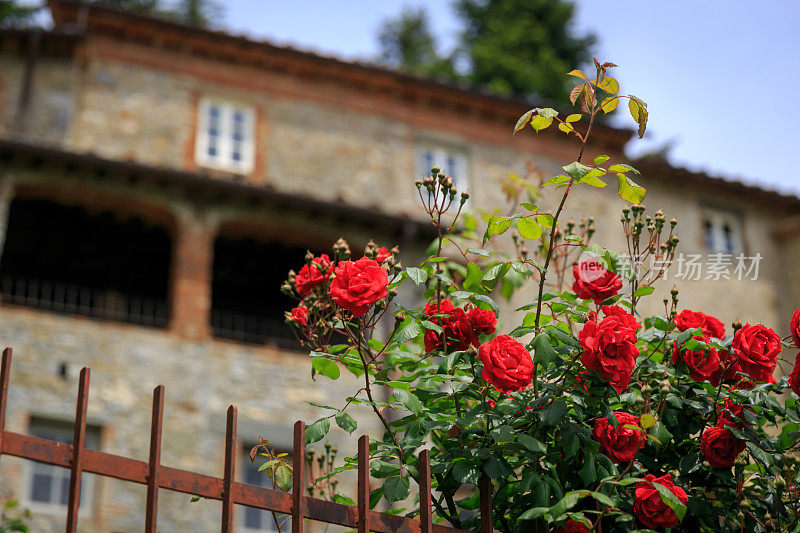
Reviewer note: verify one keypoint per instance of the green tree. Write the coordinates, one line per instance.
(407, 43)
(15, 15)
(150, 7)
(522, 47)
(199, 12)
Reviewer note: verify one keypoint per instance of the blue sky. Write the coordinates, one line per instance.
(718, 76)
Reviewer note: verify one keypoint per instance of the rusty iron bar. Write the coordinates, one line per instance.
(298, 477)
(151, 473)
(154, 462)
(485, 489)
(5, 374)
(78, 441)
(425, 518)
(363, 484)
(230, 471)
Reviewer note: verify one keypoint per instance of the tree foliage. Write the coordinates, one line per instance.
(15, 15)
(510, 47)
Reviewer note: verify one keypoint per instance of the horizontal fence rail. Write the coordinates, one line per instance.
(229, 492)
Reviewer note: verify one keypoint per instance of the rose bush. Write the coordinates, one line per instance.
(581, 413)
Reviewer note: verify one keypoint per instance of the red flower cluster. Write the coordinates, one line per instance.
(300, 314)
(357, 285)
(594, 282)
(609, 346)
(619, 443)
(506, 364)
(755, 352)
(313, 275)
(704, 364)
(648, 506)
(461, 327)
(382, 253)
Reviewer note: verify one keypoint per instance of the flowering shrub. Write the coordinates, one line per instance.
(587, 416)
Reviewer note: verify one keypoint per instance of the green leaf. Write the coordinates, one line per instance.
(594, 181)
(548, 112)
(577, 74)
(576, 170)
(375, 497)
(497, 226)
(464, 472)
(478, 251)
(644, 291)
(531, 444)
(567, 502)
(326, 367)
(574, 117)
(283, 477)
(502, 433)
(609, 85)
(474, 276)
(540, 123)
(409, 401)
(346, 422)
(407, 330)
(317, 430)
(545, 220)
(609, 104)
(600, 159)
(554, 413)
(528, 228)
(544, 352)
(396, 489)
(671, 500)
(556, 180)
(623, 168)
(417, 275)
(523, 120)
(639, 113)
(628, 190)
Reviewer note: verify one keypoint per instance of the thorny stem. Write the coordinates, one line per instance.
(548, 257)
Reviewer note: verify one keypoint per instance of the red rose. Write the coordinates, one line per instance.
(619, 443)
(594, 282)
(794, 377)
(300, 314)
(458, 330)
(720, 447)
(506, 364)
(573, 526)
(703, 365)
(648, 506)
(482, 321)
(609, 347)
(712, 327)
(755, 351)
(382, 254)
(794, 327)
(625, 317)
(313, 275)
(358, 285)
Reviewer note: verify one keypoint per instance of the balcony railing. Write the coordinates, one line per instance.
(86, 301)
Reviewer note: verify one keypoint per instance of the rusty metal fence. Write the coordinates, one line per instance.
(226, 490)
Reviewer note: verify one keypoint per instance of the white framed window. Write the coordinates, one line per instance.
(254, 520)
(450, 160)
(225, 137)
(46, 487)
(722, 231)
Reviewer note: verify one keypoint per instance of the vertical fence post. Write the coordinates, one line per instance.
(5, 373)
(425, 518)
(78, 440)
(485, 488)
(298, 477)
(154, 463)
(230, 471)
(363, 484)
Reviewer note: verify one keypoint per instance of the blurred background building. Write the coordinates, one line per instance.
(158, 180)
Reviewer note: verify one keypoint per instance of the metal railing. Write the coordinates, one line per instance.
(226, 490)
(85, 301)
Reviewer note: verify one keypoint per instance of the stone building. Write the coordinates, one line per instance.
(158, 181)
